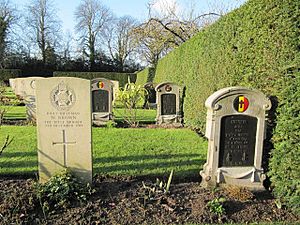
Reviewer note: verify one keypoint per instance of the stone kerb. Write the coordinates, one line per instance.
(64, 127)
(235, 129)
(102, 96)
(168, 104)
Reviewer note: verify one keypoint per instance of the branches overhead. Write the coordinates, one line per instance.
(44, 28)
(92, 17)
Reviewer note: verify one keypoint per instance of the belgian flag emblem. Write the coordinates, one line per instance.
(241, 103)
(100, 84)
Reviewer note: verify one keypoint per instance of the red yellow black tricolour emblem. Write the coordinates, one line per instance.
(241, 103)
(100, 84)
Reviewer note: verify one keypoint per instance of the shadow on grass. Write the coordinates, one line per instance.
(26, 154)
(26, 163)
(136, 165)
(142, 157)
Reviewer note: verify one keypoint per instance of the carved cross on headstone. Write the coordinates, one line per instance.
(64, 143)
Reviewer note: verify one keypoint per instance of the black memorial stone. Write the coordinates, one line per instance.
(168, 104)
(100, 101)
(237, 141)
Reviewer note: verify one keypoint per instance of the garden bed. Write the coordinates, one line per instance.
(124, 200)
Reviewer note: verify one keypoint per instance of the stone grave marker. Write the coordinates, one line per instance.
(64, 127)
(24, 88)
(235, 129)
(168, 104)
(150, 101)
(102, 94)
(116, 87)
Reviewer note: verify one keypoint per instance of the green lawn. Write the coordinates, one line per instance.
(14, 112)
(116, 151)
(143, 115)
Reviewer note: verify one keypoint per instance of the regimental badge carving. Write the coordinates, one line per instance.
(32, 84)
(241, 103)
(62, 97)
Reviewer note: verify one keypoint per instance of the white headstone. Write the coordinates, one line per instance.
(235, 129)
(64, 127)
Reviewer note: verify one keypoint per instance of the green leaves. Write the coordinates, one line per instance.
(285, 158)
(61, 190)
(130, 97)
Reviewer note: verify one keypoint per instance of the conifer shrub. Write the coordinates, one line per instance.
(285, 158)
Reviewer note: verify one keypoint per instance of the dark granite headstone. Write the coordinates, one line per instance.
(237, 140)
(168, 104)
(100, 101)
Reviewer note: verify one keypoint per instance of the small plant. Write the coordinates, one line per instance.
(216, 207)
(154, 191)
(61, 190)
(130, 97)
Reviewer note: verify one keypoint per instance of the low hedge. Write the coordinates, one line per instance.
(121, 77)
(6, 74)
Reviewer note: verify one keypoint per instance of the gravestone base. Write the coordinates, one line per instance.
(150, 106)
(100, 119)
(248, 177)
(169, 119)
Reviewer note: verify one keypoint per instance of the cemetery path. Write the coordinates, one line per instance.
(124, 200)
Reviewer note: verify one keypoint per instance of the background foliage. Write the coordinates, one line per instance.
(5, 74)
(247, 47)
(121, 77)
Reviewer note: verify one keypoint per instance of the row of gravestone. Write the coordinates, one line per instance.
(103, 96)
(235, 129)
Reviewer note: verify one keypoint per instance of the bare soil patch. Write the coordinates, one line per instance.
(121, 200)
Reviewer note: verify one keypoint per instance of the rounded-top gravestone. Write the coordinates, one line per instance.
(235, 128)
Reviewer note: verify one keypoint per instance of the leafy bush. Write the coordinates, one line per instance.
(121, 77)
(130, 96)
(61, 190)
(285, 158)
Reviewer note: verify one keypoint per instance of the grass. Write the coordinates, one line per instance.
(14, 112)
(116, 151)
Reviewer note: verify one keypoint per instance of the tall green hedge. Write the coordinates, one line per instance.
(6, 74)
(146, 75)
(285, 158)
(121, 77)
(247, 47)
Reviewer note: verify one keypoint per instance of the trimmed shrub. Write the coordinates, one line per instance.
(121, 77)
(146, 75)
(6, 74)
(247, 47)
(285, 158)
